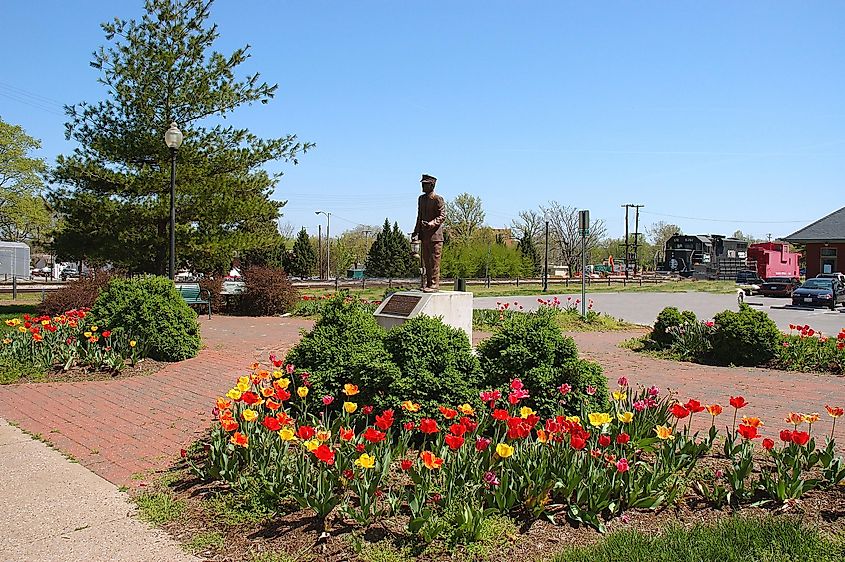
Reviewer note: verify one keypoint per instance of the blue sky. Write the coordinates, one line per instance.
(714, 115)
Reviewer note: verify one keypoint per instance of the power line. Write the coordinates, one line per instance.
(724, 220)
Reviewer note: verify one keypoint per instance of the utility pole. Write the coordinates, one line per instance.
(320, 251)
(636, 242)
(584, 229)
(546, 267)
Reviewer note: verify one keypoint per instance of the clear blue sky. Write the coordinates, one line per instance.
(700, 110)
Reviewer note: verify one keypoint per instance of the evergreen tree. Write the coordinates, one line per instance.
(303, 259)
(530, 255)
(114, 190)
(390, 255)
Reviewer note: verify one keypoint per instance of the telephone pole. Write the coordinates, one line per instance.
(628, 254)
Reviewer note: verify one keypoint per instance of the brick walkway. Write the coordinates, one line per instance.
(132, 426)
(126, 427)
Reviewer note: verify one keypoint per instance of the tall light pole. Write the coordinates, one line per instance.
(173, 140)
(328, 241)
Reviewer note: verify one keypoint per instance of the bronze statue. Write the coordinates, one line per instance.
(431, 213)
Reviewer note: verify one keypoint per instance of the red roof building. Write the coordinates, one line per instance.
(774, 259)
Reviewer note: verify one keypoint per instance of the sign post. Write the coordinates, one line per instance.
(584, 227)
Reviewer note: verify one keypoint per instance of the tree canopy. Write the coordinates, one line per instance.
(114, 188)
(23, 213)
(390, 254)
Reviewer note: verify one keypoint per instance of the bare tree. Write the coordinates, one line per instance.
(566, 236)
(530, 224)
(464, 216)
(660, 232)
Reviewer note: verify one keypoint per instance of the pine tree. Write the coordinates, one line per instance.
(302, 260)
(378, 256)
(530, 255)
(114, 190)
(390, 255)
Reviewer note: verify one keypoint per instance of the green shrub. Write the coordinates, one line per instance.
(345, 345)
(692, 340)
(268, 292)
(435, 362)
(669, 317)
(151, 310)
(532, 347)
(748, 337)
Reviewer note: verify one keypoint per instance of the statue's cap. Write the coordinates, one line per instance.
(428, 179)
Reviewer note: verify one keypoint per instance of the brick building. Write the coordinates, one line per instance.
(824, 242)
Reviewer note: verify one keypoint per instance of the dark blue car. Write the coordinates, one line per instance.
(819, 292)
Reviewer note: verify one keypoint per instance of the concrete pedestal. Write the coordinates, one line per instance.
(453, 307)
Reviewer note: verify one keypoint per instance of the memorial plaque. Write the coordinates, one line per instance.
(400, 305)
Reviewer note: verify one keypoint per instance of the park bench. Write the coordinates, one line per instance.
(192, 293)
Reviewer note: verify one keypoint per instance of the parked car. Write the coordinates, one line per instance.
(748, 281)
(819, 292)
(779, 286)
(839, 276)
(70, 272)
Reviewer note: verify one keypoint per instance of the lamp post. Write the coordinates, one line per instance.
(173, 140)
(328, 242)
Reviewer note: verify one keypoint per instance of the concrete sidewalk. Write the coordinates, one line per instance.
(58, 510)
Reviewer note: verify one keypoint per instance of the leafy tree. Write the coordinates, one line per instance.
(464, 216)
(303, 259)
(390, 254)
(661, 231)
(114, 187)
(750, 238)
(23, 212)
(528, 249)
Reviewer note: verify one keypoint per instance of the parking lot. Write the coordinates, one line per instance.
(642, 308)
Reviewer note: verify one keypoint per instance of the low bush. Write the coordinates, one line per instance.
(75, 295)
(269, 292)
(345, 342)
(692, 340)
(532, 347)
(748, 337)
(669, 317)
(150, 310)
(435, 362)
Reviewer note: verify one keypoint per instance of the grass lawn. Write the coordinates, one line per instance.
(23, 298)
(737, 539)
(721, 287)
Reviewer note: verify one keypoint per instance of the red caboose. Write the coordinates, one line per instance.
(774, 259)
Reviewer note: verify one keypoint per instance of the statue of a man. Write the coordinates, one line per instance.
(431, 213)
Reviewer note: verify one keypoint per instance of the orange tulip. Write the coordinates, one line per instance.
(794, 418)
(229, 424)
(223, 404)
(714, 410)
(834, 412)
(753, 422)
(431, 461)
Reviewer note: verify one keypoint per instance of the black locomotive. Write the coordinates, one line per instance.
(705, 256)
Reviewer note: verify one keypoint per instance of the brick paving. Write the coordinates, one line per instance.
(134, 426)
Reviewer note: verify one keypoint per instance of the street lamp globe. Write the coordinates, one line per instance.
(173, 137)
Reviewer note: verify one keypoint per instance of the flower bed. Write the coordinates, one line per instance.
(567, 315)
(313, 305)
(65, 342)
(450, 473)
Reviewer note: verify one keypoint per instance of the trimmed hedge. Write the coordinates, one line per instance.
(748, 337)
(150, 310)
(669, 317)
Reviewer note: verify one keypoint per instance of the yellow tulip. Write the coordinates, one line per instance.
(598, 419)
(311, 445)
(302, 391)
(365, 461)
(284, 383)
(664, 432)
(249, 415)
(466, 409)
(410, 406)
(277, 374)
(94, 328)
(525, 411)
(350, 389)
(573, 419)
(234, 394)
(504, 450)
(619, 395)
(350, 407)
(132, 343)
(287, 434)
(21, 329)
(86, 334)
(625, 417)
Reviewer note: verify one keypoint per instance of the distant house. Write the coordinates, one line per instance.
(14, 260)
(825, 243)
